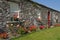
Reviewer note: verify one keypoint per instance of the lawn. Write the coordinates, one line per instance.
(46, 34)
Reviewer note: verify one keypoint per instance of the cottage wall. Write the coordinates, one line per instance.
(4, 11)
(27, 10)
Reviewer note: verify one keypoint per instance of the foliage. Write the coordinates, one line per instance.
(32, 28)
(47, 34)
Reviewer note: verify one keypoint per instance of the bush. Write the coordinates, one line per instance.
(42, 27)
(57, 25)
(32, 28)
(22, 30)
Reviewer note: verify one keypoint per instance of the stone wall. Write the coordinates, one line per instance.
(4, 8)
(28, 11)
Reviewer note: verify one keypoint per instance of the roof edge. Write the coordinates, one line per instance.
(44, 6)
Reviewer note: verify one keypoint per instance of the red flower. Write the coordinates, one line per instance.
(41, 27)
(33, 27)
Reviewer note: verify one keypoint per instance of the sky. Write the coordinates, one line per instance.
(55, 4)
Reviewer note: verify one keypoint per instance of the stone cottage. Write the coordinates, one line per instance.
(27, 10)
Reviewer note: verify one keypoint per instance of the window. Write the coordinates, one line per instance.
(14, 8)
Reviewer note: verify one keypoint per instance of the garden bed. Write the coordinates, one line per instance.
(46, 34)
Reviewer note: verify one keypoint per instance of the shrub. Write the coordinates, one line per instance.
(42, 27)
(57, 25)
(32, 28)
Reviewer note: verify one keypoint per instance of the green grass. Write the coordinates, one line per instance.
(47, 34)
